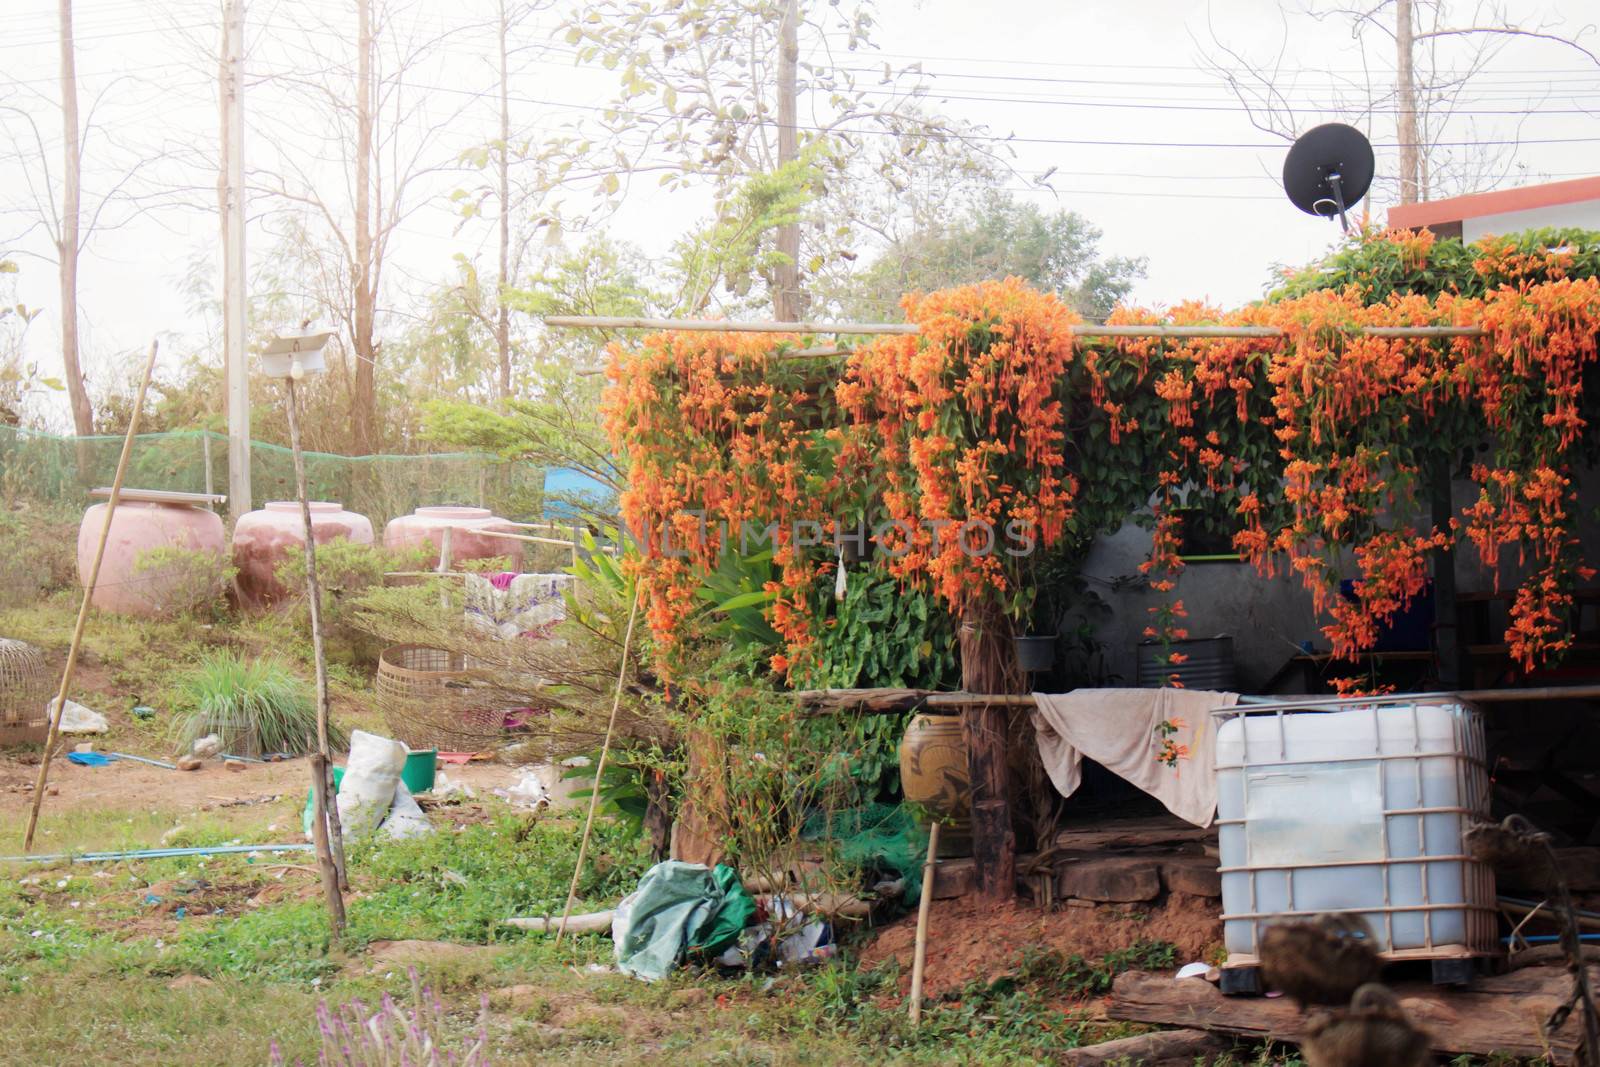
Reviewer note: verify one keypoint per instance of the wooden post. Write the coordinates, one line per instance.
(919, 953)
(325, 830)
(53, 732)
(988, 666)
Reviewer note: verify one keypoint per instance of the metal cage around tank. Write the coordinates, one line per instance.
(1379, 805)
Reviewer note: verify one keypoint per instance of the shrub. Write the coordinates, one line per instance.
(38, 554)
(183, 581)
(256, 706)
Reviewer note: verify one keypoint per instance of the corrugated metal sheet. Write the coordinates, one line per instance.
(1209, 664)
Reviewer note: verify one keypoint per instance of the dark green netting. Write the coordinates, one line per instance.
(880, 838)
(58, 470)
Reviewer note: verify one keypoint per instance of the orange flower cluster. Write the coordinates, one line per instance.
(963, 426)
(717, 439)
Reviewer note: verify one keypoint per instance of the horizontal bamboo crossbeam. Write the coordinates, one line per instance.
(623, 322)
(833, 701)
(1085, 330)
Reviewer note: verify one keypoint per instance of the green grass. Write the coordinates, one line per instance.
(257, 702)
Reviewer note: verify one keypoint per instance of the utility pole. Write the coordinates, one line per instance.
(231, 181)
(786, 295)
(1406, 97)
(502, 321)
(67, 240)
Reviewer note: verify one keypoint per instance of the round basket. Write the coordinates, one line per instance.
(429, 702)
(24, 694)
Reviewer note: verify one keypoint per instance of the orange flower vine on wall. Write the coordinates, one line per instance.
(720, 446)
(1326, 443)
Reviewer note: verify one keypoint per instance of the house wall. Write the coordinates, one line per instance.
(1268, 618)
(1585, 215)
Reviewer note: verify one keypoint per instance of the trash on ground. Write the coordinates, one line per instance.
(207, 746)
(445, 787)
(679, 908)
(88, 759)
(77, 719)
(529, 791)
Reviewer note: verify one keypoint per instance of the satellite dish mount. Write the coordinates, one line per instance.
(1328, 171)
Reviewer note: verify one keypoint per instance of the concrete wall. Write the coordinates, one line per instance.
(1584, 215)
(1268, 618)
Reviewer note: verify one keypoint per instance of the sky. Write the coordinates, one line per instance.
(1124, 103)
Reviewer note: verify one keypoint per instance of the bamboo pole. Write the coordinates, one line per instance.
(625, 322)
(326, 834)
(1082, 330)
(600, 767)
(53, 733)
(919, 954)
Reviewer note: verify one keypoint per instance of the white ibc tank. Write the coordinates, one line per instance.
(1356, 806)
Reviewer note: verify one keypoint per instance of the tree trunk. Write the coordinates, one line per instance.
(786, 295)
(68, 241)
(502, 322)
(1406, 102)
(988, 666)
(364, 402)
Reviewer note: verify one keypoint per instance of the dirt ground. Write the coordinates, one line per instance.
(126, 784)
(970, 939)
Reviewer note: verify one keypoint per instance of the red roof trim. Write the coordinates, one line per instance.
(1528, 197)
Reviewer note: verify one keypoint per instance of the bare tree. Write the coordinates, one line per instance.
(380, 147)
(514, 185)
(56, 203)
(1438, 49)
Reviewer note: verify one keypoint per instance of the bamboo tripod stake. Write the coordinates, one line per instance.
(325, 830)
(599, 768)
(60, 706)
(919, 955)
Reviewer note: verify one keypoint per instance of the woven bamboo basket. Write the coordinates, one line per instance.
(429, 700)
(24, 694)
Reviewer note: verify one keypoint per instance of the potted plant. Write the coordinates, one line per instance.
(1037, 615)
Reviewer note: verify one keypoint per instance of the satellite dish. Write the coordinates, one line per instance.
(1328, 170)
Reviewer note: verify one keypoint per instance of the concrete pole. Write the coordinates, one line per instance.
(1406, 98)
(234, 324)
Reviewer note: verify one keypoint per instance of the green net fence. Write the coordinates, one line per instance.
(59, 470)
(884, 839)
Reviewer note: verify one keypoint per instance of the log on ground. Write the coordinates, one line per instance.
(1164, 1048)
(1495, 1014)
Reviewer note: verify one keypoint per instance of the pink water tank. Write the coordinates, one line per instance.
(139, 527)
(467, 540)
(263, 539)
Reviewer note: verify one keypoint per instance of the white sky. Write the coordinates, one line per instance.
(1212, 219)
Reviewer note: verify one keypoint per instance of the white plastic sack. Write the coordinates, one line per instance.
(368, 788)
(406, 818)
(79, 719)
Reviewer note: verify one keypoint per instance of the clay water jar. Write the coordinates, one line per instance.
(426, 526)
(933, 773)
(263, 539)
(136, 528)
